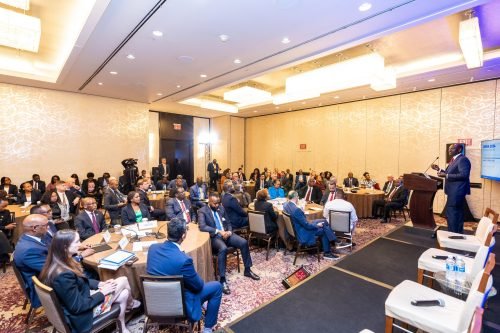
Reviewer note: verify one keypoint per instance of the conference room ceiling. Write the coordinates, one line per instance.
(169, 69)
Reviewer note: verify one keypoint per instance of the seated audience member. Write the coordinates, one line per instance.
(164, 168)
(226, 175)
(162, 184)
(367, 181)
(85, 182)
(93, 191)
(244, 198)
(287, 181)
(28, 194)
(37, 184)
(60, 213)
(320, 184)
(306, 232)
(350, 181)
(114, 201)
(90, 221)
(268, 179)
(52, 185)
(235, 177)
(9, 188)
(142, 188)
(134, 211)
(168, 259)
(255, 175)
(237, 216)
(6, 223)
(340, 204)
(76, 180)
(330, 192)
(198, 192)
(261, 183)
(79, 296)
(326, 176)
(3, 195)
(271, 215)
(76, 192)
(143, 175)
(389, 185)
(276, 191)
(103, 181)
(67, 198)
(398, 198)
(174, 183)
(214, 220)
(310, 193)
(180, 207)
(241, 175)
(171, 191)
(45, 210)
(31, 252)
(300, 180)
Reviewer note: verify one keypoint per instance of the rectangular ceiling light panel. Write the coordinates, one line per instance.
(247, 96)
(21, 4)
(470, 42)
(19, 31)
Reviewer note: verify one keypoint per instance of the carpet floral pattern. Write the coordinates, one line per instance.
(246, 294)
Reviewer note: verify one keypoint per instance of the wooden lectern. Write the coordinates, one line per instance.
(421, 202)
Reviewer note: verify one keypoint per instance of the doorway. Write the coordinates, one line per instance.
(182, 151)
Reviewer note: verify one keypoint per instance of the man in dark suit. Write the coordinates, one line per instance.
(306, 232)
(67, 197)
(168, 259)
(114, 201)
(350, 181)
(28, 194)
(164, 168)
(330, 191)
(300, 180)
(287, 181)
(6, 224)
(162, 184)
(90, 221)
(456, 186)
(37, 184)
(10, 189)
(198, 192)
(85, 182)
(213, 173)
(237, 216)
(46, 211)
(180, 207)
(173, 183)
(310, 193)
(214, 220)
(389, 185)
(103, 181)
(398, 198)
(142, 188)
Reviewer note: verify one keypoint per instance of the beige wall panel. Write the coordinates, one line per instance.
(220, 149)
(237, 144)
(200, 125)
(260, 137)
(467, 111)
(382, 137)
(282, 132)
(419, 134)
(352, 139)
(53, 132)
(327, 140)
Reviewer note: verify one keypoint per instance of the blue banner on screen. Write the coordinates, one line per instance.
(490, 159)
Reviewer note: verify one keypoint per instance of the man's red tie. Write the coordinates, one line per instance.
(331, 196)
(308, 194)
(188, 218)
(94, 224)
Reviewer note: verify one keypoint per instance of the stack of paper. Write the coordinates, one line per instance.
(116, 260)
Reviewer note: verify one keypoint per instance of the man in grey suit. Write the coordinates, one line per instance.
(114, 201)
(90, 221)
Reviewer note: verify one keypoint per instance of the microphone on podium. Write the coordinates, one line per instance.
(437, 158)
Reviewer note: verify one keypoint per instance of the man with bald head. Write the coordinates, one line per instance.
(198, 193)
(114, 201)
(90, 221)
(456, 186)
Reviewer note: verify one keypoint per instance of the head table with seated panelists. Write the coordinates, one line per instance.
(168, 229)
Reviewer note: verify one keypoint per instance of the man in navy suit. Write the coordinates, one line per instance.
(90, 221)
(169, 259)
(214, 220)
(162, 184)
(198, 192)
(213, 173)
(311, 193)
(37, 184)
(173, 183)
(46, 211)
(300, 180)
(307, 232)
(180, 207)
(237, 216)
(143, 186)
(456, 186)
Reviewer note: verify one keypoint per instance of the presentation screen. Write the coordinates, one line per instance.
(490, 159)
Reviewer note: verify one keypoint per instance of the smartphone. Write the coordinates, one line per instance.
(456, 237)
(440, 257)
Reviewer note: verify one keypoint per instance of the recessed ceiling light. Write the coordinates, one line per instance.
(431, 80)
(131, 57)
(185, 59)
(178, 86)
(203, 75)
(157, 33)
(113, 73)
(289, 109)
(277, 107)
(364, 7)
(159, 94)
(237, 61)
(320, 104)
(303, 103)
(285, 40)
(223, 38)
(414, 88)
(100, 83)
(336, 97)
(255, 111)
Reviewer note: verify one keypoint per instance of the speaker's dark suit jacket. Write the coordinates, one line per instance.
(41, 185)
(29, 258)
(237, 216)
(35, 197)
(315, 193)
(128, 214)
(84, 226)
(457, 183)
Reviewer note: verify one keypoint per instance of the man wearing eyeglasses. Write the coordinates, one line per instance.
(90, 221)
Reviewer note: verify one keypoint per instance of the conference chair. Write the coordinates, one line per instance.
(471, 243)
(164, 302)
(5, 251)
(22, 284)
(400, 210)
(340, 222)
(429, 265)
(257, 225)
(230, 250)
(290, 228)
(55, 312)
(455, 316)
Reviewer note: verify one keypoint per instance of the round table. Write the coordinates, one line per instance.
(363, 199)
(21, 212)
(196, 245)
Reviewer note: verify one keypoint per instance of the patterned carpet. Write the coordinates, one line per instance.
(246, 294)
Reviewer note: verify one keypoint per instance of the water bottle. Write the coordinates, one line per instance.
(450, 272)
(460, 276)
